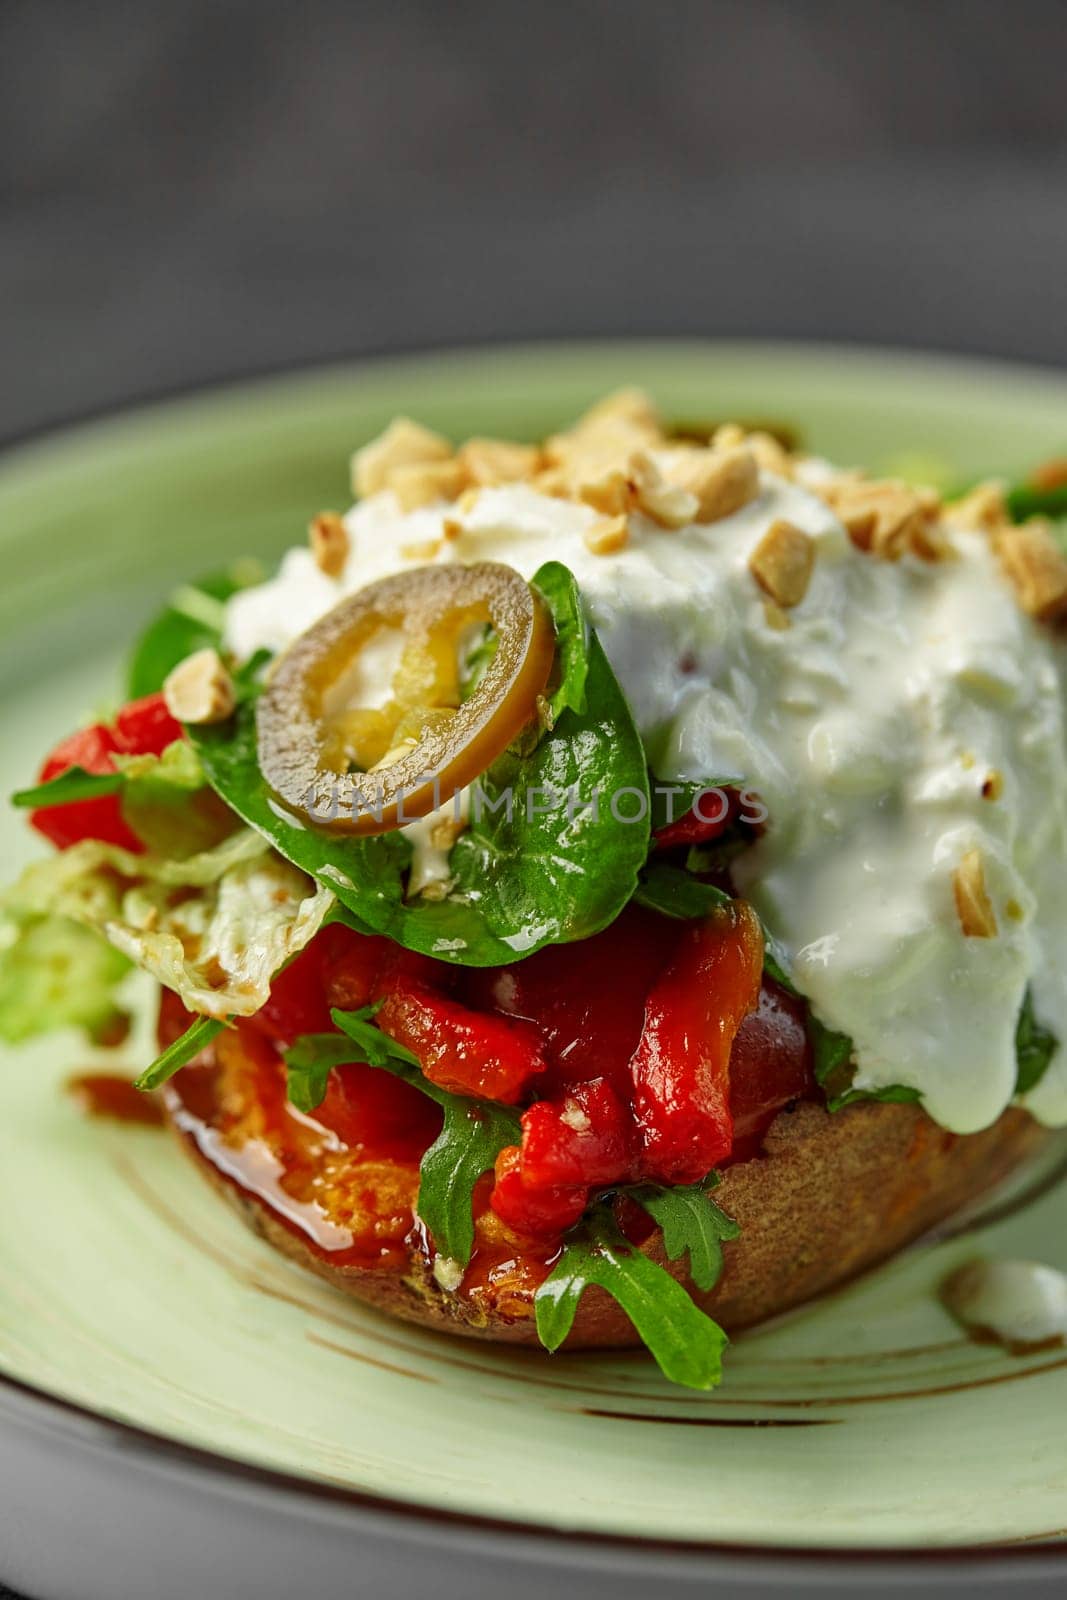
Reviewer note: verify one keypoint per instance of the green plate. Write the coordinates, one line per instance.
(864, 1422)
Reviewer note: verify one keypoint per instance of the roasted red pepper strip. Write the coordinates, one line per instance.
(707, 819)
(467, 1052)
(587, 1138)
(144, 727)
(541, 1213)
(680, 1068)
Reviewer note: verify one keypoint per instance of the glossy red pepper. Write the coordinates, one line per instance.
(465, 1051)
(544, 1213)
(680, 1069)
(586, 1138)
(371, 1110)
(706, 820)
(143, 727)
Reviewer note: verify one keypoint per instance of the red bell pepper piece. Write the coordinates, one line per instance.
(144, 727)
(680, 1068)
(587, 1138)
(467, 1052)
(544, 1213)
(707, 819)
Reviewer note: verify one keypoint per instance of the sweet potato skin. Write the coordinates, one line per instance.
(829, 1197)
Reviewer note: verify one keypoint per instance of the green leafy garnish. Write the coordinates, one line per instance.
(196, 1037)
(472, 1136)
(831, 1051)
(676, 893)
(557, 587)
(73, 785)
(1035, 1047)
(1028, 500)
(192, 620)
(538, 871)
(56, 974)
(686, 1344)
(897, 1094)
(692, 1225)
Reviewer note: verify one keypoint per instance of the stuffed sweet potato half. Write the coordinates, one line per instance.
(604, 892)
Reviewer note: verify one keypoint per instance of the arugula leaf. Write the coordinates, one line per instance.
(686, 1344)
(524, 876)
(196, 1037)
(70, 786)
(557, 587)
(831, 1050)
(192, 620)
(472, 1136)
(692, 1225)
(1035, 1047)
(676, 893)
(898, 1094)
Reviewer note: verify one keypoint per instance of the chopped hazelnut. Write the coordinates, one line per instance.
(404, 443)
(666, 503)
(609, 535)
(329, 542)
(973, 905)
(422, 482)
(721, 480)
(492, 461)
(199, 689)
(628, 405)
(983, 508)
(886, 518)
(783, 562)
(1037, 568)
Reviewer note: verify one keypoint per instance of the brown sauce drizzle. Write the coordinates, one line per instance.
(108, 1095)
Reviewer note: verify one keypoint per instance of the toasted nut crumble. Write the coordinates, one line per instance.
(451, 529)
(329, 542)
(721, 480)
(604, 538)
(1037, 568)
(983, 508)
(783, 562)
(422, 482)
(973, 905)
(886, 518)
(492, 461)
(993, 787)
(402, 444)
(665, 502)
(630, 405)
(422, 549)
(610, 494)
(199, 689)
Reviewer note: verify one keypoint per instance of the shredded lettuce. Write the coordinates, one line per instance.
(214, 927)
(54, 973)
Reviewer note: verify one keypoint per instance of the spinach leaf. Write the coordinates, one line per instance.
(196, 1037)
(544, 860)
(556, 585)
(676, 893)
(692, 1225)
(192, 620)
(686, 1344)
(898, 1094)
(1035, 1047)
(1029, 500)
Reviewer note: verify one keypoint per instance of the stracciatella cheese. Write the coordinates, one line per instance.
(910, 714)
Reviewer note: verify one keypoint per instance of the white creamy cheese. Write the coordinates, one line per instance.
(868, 728)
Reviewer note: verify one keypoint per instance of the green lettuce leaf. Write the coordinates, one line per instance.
(686, 1344)
(73, 785)
(676, 893)
(56, 974)
(557, 587)
(214, 927)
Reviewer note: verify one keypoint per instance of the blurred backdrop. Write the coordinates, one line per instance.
(209, 188)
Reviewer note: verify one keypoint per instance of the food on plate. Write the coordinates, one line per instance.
(603, 892)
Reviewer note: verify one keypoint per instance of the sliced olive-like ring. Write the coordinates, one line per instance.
(432, 608)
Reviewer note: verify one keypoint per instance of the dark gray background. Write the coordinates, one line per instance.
(203, 189)
(197, 190)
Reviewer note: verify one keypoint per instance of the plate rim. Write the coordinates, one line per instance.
(77, 1420)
